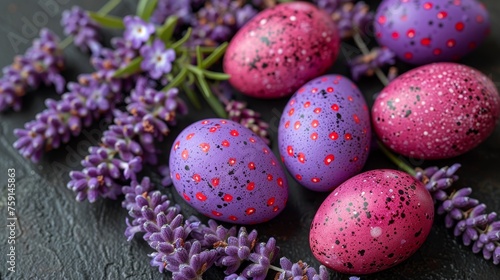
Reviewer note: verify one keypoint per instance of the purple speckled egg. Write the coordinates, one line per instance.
(425, 31)
(280, 49)
(324, 132)
(436, 111)
(227, 173)
(371, 222)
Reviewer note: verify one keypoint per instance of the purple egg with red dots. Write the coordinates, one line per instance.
(280, 49)
(371, 222)
(324, 133)
(227, 173)
(436, 111)
(425, 31)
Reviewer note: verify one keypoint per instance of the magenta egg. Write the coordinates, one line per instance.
(227, 173)
(371, 222)
(436, 111)
(425, 31)
(324, 132)
(280, 49)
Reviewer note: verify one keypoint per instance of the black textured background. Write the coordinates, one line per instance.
(59, 238)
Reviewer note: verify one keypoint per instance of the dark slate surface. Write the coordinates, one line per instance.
(59, 238)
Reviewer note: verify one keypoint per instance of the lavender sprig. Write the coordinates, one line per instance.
(330, 6)
(366, 64)
(85, 31)
(41, 64)
(127, 144)
(352, 18)
(464, 214)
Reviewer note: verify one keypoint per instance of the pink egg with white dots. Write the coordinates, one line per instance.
(324, 132)
(280, 49)
(371, 222)
(425, 31)
(227, 173)
(436, 111)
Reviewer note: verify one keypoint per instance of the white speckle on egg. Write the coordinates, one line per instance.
(293, 18)
(263, 21)
(375, 232)
(280, 51)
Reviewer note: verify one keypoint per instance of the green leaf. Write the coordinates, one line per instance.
(166, 31)
(209, 97)
(216, 75)
(182, 40)
(177, 80)
(199, 56)
(191, 95)
(132, 68)
(214, 56)
(107, 21)
(145, 8)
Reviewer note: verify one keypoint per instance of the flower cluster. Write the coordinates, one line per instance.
(128, 143)
(85, 31)
(213, 23)
(464, 214)
(94, 96)
(41, 64)
(188, 248)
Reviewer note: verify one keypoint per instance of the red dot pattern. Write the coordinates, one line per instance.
(208, 185)
(433, 32)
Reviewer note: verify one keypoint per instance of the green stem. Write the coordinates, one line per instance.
(104, 10)
(275, 268)
(108, 7)
(385, 81)
(397, 161)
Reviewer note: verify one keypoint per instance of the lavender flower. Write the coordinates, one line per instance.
(137, 31)
(219, 20)
(164, 172)
(464, 214)
(157, 60)
(353, 18)
(330, 6)
(300, 270)
(367, 64)
(264, 255)
(190, 262)
(167, 8)
(127, 144)
(65, 118)
(235, 250)
(77, 23)
(41, 64)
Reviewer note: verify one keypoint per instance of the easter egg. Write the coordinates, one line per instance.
(280, 49)
(425, 31)
(324, 132)
(371, 222)
(227, 173)
(436, 111)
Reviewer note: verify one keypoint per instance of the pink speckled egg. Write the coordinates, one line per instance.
(436, 111)
(324, 132)
(424, 31)
(227, 173)
(371, 222)
(280, 49)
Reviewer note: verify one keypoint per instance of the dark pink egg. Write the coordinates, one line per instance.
(371, 222)
(280, 49)
(425, 31)
(324, 132)
(436, 111)
(227, 173)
